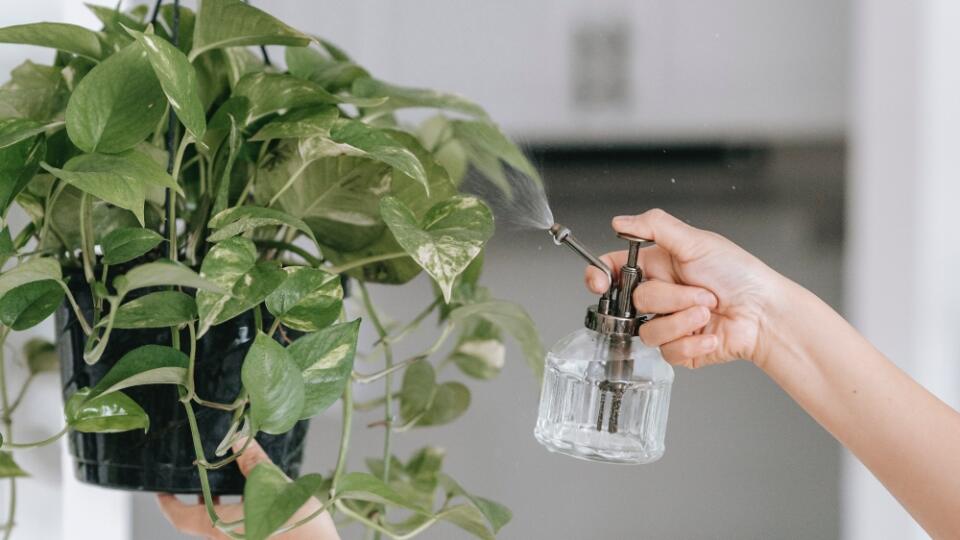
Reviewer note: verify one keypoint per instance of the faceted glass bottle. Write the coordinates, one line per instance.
(604, 398)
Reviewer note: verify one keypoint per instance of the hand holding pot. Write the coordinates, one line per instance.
(192, 519)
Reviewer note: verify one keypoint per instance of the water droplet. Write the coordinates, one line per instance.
(673, 180)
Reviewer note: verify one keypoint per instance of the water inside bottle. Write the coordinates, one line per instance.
(611, 421)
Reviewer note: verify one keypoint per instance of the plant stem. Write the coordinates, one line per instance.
(365, 261)
(23, 392)
(412, 325)
(44, 442)
(274, 327)
(344, 434)
(86, 236)
(8, 429)
(371, 377)
(388, 380)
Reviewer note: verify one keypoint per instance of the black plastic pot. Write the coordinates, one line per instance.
(163, 458)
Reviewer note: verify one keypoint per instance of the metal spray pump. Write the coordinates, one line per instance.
(605, 393)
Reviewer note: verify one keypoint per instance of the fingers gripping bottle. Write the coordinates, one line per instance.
(605, 394)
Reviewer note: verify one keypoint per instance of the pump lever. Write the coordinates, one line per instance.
(562, 235)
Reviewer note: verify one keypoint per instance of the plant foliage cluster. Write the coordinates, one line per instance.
(185, 180)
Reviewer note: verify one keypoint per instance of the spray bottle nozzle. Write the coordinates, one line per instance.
(562, 236)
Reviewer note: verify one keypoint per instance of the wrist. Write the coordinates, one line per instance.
(787, 310)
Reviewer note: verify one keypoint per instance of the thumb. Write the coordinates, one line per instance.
(251, 457)
(657, 225)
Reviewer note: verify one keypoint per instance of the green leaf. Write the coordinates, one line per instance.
(41, 356)
(358, 139)
(240, 219)
(188, 21)
(114, 20)
(479, 352)
(308, 300)
(330, 73)
(65, 37)
(9, 468)
(275, 386)
(30, 304)
(233, 23)
(451, 234)
(400, 97)
(325, 360)
(366, 487)
(273, 92)
(423, 468)
(7, 249)
(485, 146)
(300, 124)
(34, 91)
(270, 498)
(232, 264)
(14, 130)
(178, 80)
(511, 319)
(117, 104)
(418, 390)
(38, 269)
(18, 164)
(450, 401)
(148, 364)
(119, 179)
(160, 309)
(109, 413)
(161, 273)
(127, 243)
(493, 512)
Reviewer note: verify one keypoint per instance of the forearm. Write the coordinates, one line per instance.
(906, 436)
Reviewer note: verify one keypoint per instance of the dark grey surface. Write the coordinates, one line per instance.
(742, 460)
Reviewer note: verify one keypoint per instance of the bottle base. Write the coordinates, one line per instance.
(577, 445)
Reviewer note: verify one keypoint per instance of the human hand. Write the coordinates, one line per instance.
(192, 519)
(710, 295)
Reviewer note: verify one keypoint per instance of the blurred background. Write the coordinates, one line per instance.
(818, 134)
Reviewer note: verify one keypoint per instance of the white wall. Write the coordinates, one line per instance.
(902, 258)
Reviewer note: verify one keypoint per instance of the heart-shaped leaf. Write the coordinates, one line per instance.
(511, 319)
(232, 264)
(36, 92)
(65, 37)
(417, 391)
(30, 304)
(234, 23)
(240, 219)
(9, 467)
(274, 92)
(275, 386)
(479, 352)
(451, 234)
(308, 300)
(111, 413)
(127, 243)
(450, 401)
(119, 179)
(117, 104)
(366, 487)
(161, 273)
(495, 514)
(161, 309)
(270, 498)
(41, 355)
(148, 364)
(486, 146)
(358, 139)
(178, 80)
(325, 359)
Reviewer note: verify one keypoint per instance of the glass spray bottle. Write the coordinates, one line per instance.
(605, 394)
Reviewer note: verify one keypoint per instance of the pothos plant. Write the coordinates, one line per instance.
(181, 179)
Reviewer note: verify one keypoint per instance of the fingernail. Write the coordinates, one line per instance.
(703, 315)
(706, 298)
(709, 343)
(621, 220)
